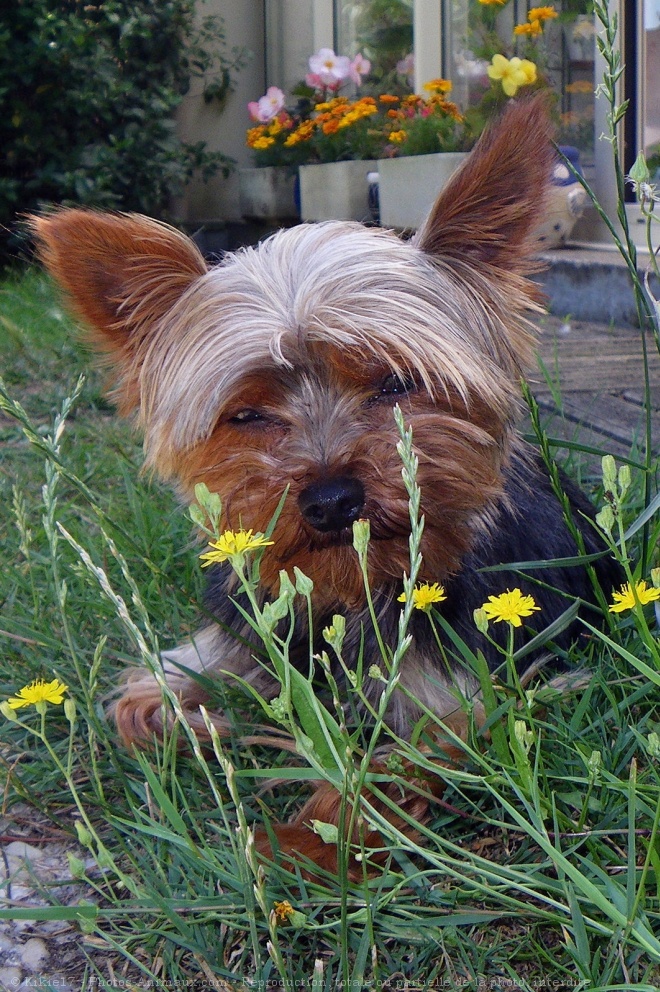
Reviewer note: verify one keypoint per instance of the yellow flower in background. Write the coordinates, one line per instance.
(424, 596)
(493, 3)
(398, 136)
(39, 691)
(533, 28)
(510, 606)
(512, 73)
(542, 14)
(438, 86)
(528, 70)
(233, 544)
(624, 599)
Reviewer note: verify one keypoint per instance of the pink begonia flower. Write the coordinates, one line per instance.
(314, 80)
(359, 68)
(330, 68)
(268, 106)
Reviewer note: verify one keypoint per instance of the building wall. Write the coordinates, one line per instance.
(224, 130)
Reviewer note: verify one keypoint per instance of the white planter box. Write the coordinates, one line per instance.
(268, 194)
(335, 190)
(408, 186)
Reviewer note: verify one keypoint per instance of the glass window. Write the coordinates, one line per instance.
(382, 30)
(558, 38)
(651, 104)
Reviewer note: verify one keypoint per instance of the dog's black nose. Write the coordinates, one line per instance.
(332, 504)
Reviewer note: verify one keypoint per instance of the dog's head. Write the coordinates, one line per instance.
(280, 366)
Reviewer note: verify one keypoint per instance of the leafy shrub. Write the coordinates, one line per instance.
(88, 92)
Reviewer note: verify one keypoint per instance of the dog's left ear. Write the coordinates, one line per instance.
(487, 214)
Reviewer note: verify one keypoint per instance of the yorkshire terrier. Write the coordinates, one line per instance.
(278, 369)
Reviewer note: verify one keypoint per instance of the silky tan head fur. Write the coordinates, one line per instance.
(280, 366)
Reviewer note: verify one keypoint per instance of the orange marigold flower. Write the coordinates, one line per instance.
(388, 98)
(438, 86)
(579, 86)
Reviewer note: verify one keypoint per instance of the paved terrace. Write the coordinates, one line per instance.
(590, 385)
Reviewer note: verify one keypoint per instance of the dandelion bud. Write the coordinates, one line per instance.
(8, 712)
(524, 737)
(640, 171)
(279, 709)
(70, 710)
(605, 519)
(76, 865)
(334, 634)
(653, 744)
(625, 479)
(481, 620)
(361, 536)
(84, 835)
(287, 587)
(328, 832)
(594, 765)
(304, 584)
(609, 472)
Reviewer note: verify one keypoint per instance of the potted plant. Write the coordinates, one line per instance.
(322, 128)
(425, 142)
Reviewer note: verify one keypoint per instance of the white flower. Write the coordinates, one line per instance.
(330, 68)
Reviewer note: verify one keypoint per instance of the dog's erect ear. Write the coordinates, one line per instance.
(487, 214)
(121, 272)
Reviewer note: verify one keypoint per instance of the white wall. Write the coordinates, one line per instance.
(224, 131)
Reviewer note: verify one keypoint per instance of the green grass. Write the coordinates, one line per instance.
(541, 865)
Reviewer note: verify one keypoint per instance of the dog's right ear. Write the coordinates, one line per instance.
(120, 272)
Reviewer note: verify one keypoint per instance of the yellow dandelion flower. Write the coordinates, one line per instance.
(233, 544)
(542, 14)
(283, 911)
(39, 691)
(424, 596)
(624, 599)
(510, 606)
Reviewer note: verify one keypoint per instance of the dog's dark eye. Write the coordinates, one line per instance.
(396, 385)
(246, 417)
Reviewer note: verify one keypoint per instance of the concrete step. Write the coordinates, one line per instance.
(592, 283)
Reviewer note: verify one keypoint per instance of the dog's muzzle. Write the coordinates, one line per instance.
(332, 504)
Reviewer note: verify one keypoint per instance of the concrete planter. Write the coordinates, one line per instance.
(408, 186)
(335, 190)
(268, 194)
